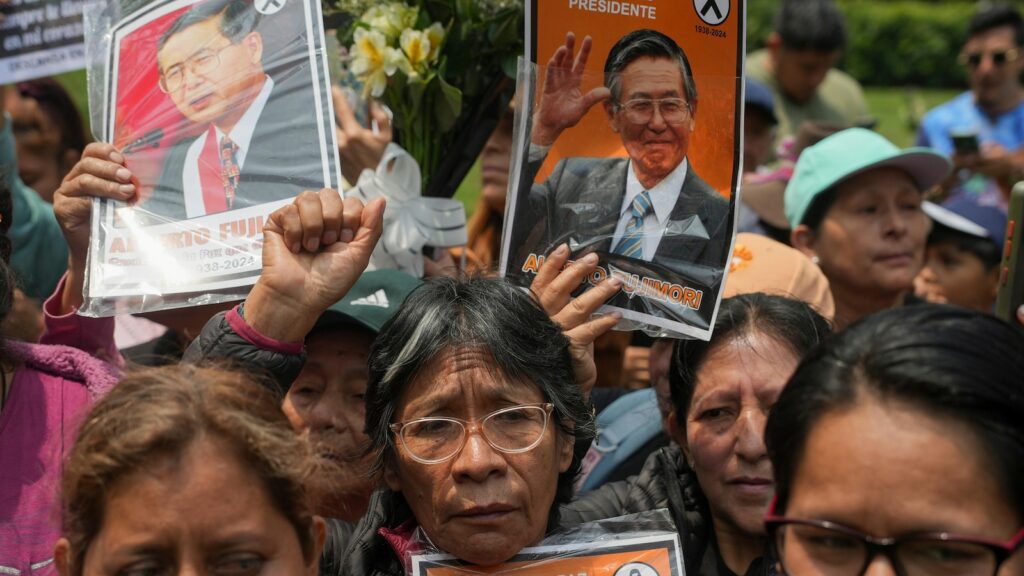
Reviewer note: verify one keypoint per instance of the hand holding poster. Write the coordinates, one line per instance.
(222, 111)
(628, 144)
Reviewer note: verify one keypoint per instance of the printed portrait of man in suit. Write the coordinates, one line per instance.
(258, 139)
(649, 213)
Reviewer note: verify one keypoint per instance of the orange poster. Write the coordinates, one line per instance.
(645, 556)
(629, 127)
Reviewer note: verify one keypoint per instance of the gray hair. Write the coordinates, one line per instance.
(495, 316)
(650, 44)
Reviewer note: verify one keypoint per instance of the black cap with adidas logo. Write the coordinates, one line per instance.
(374, 298)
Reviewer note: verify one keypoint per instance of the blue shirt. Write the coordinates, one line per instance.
(962, 114)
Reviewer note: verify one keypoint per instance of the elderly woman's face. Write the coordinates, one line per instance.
(872, 238)
(737, 384)
(482, 505)
(887, 469)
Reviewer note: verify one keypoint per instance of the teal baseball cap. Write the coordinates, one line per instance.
(851, 152)
(374, 299)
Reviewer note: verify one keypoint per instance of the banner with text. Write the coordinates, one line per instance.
(40, 38)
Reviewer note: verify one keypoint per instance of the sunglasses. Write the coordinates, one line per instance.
(999, 57)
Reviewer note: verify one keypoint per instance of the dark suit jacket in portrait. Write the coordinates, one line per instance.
(580, 204)
(283, 157)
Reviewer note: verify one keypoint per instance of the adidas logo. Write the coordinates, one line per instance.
(378, 298)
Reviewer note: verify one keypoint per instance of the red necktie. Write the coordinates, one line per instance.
(218, 173)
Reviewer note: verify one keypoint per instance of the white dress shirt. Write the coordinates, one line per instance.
(241, 135)
(663, 199)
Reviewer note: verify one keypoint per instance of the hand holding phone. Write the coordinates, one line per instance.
(965, 143)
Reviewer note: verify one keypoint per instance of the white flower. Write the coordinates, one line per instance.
(373, 60)
(416, 45)
(391, 19)
(436, 36)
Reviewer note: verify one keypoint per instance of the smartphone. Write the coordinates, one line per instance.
(1011, 273)
(965, 142)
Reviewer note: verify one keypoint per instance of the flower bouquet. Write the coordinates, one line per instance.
(445, 68)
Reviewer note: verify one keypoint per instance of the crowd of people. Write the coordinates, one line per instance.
(858, 408)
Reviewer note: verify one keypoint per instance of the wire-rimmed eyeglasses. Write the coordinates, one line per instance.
(641, 110)
(202, 63)
(438, 438)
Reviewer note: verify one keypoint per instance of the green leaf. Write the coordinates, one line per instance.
(415, 88)
(505, 30)
(448, 107)
(464, 10)
(509, 65)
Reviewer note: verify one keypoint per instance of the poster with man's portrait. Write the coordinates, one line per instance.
(628, 145)
(222, 110)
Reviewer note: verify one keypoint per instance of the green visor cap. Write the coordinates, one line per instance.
(373, 300)
(849, 153)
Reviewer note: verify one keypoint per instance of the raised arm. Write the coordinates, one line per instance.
(313, 252)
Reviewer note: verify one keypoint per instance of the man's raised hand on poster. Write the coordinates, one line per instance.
(562, 102)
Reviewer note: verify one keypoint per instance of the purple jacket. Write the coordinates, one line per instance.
(54, 386)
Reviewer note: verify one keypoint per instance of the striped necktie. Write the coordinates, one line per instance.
(632, 243)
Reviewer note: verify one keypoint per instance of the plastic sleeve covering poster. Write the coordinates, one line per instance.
(627, 144)
(642, 556)
(222, 109)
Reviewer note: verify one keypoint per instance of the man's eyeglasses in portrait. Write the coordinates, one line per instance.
(641, 110)
(202, 63)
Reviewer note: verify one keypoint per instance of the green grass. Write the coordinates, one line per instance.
(899, 110)
(469, 190)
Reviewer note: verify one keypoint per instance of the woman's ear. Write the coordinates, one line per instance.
(319, 539)
(678, 434)
(62, 557)
(566, 444)
(391, 478)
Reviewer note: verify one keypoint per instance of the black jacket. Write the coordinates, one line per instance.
(664, 482)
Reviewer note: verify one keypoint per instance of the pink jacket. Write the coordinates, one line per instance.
(54, 386)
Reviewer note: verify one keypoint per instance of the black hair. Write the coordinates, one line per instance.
(984, 249)
(991, 16)
(815, 25)
(819, 207)
(491, 314)
(793, 323)
(57, 104)
(239, 19)
(646, 43)
(952, 363)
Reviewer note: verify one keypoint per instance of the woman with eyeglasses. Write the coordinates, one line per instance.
(898, 448)
(476, 395)
(475, 411)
